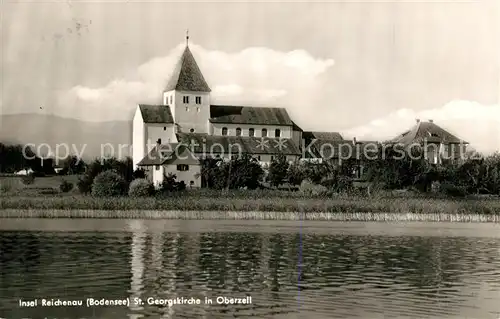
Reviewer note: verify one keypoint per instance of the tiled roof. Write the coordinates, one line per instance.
(332, 136)
(160, 154)
(187, 75)
(204, 143)
(295, 127)
(156, 114)
(249, 115)
(329, 149)
(428, 132)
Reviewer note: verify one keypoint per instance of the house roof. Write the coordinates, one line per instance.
(156, 113)
(295, 127)
(203, 143)
(331, 136)
(187, 75)
(249, 115)
(426, 132)
(165, 154)
(345, 149)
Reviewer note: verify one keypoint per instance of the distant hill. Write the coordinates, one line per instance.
(52, 130)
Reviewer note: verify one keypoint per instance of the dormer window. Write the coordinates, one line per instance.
(277, 132)
(198, 100)
(251, 132)
(185, 99)
(264, 132)
(238, 131)
(224, 131)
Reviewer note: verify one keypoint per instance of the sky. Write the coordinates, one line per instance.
(364, 68)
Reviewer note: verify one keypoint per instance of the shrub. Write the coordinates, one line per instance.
(139, 173)
(28, 179)
(451, 190)
(140, 188)
(84, 184)
(5, 187)
(65, 186)
(109, 183)
(309, 188)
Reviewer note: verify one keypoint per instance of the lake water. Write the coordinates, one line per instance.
(289, 269)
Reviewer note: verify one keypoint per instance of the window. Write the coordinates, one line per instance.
(191, 183)
(264, 132)
(238, 131)
(258, 157)
(157, 167)
(164, 128)
(191, 130)
(224, 131)
(198, 100)
(185, 99)
(277, 132)
(171, 99)
(272, 158)
(187, 108)
(182, 167)
(251, 132)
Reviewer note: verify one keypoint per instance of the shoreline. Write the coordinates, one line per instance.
(247, 215)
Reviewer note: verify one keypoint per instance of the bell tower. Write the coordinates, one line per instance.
(188, 95)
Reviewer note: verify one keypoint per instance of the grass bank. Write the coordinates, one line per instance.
(194, 206)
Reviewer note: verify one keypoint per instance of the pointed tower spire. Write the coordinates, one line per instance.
(187, 75)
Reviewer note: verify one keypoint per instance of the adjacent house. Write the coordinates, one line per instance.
(436, 143)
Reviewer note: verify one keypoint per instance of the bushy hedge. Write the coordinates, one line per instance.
(309, 188)
(65, 186)
(109, 183)
(28, 179)
(140, 188)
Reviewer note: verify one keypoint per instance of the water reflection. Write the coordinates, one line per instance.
(341, 275)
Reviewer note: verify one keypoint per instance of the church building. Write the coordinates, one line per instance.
(186, 126)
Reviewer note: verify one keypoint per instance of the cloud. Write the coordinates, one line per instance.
(254, 76)
(476, 123)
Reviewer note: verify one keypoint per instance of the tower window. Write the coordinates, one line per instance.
(251, 132)
(164, 128)
(198, 100)
(185, 99)
(238, 131)
(264, 132)
(277, 132)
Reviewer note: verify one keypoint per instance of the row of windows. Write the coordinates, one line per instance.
(185, 99)
(251, 132)
(180, 167)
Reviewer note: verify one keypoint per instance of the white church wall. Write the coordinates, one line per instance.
(285, 131)
(138, 138)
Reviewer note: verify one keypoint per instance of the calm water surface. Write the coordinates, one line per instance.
(291, 270)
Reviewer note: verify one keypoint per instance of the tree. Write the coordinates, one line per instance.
(240, 172)
(73, 165)
(278, 170)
